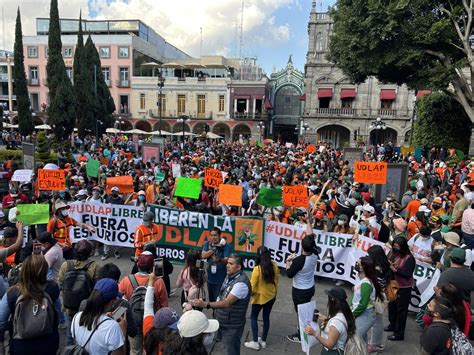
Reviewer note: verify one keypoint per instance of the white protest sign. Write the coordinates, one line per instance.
(305, 317)
(176, 168)
(115, 224)
(22, 175)
(429, 291)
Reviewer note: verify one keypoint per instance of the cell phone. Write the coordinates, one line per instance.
(159, 267)
(119, 312)
(316, 315)
(37, 248)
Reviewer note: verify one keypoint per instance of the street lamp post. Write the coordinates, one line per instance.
(378, 124)
(161, 83)
(261, 127)
(182, 119)
(305, 129)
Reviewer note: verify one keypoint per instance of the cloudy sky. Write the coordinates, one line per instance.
(272, 29)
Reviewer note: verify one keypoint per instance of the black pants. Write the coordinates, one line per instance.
(301, 296)
(398, 311)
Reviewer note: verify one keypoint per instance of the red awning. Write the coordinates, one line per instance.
(388, 94)
(303, 97)
(421, 93)
(322, 93)
(348, 93)
(268, 104)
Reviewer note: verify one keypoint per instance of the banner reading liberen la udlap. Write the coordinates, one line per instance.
(115, 224)
(181, 230)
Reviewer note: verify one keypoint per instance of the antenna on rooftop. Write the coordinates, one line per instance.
(241, 28)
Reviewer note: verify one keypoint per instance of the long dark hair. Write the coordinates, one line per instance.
(336, 306)
(444, 308)
(191, 257)
(192, 345)
(403, 244)
(33, 277)
(264, 260)
(156, 336)
(95, 307)
(368, 267)
(380, 259)
(451, 293)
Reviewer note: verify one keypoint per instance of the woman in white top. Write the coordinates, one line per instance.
(95, 330)
(337, 326)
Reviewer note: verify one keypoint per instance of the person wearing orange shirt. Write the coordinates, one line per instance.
(414, 205)
(145, 233)
(60, 225)
(152, 191)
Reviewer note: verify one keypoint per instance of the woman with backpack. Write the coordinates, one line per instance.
(366, 291)
(264, 281)
(93, 329)
(338, 326)
(29, 304)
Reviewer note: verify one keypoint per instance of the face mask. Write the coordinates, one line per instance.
(95, 194)
(340, 222)
(65, 213)
(363, 228)
(436, 207)
(396, 250)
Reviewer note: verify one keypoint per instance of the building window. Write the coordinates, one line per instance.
(106, 75)
(67, 52)
(46, 52)
(123, 75)
(142, 101)
(104, 52)
(32, 52)
(69, 72)
(201, 105)
(347, 102)
(319, 42)
(386, 104)
(221, 103)
(124, 104)
(123, 52)
(181, 104)
(162, 103)
(33, 75)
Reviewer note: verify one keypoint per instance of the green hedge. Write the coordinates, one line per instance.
(17, 156)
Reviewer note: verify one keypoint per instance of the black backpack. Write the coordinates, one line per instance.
(77, 285)
(137, 301)
(32, 319)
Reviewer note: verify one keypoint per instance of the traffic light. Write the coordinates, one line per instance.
(355, 134)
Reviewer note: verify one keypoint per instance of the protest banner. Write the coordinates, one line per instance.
(22, 175)
(124, 183)
(151, 151)
(407, 151)
(53, 180)
(115, 224)
(230, 194)
(176, 169)
(181, 230)
(305, 317)
(296, 196)
(92, 167)
(269, 197)
(188, 187)
(33, 213)
(370, 172)
(213, 178)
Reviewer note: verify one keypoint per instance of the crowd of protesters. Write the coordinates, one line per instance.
(50, 283)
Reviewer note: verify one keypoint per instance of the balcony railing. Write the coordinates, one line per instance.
(123, 83)
(33, 82)
(240, 116)
(387, 112)
(362, 113)
(173, 114)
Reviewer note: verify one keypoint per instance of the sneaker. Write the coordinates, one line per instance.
(104, 257)
(252, 345)
(117, 255)
(263, 344)
(374, 348)
(295, 338)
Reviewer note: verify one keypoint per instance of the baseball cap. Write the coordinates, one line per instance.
(108, 289)
(337, 292)
(452, 238)
(437, 200)
(145, 261)
(368, 208)
(424, 201)
(194, 322)
(166, 318)
(458, 256)
(60, 204)
(141, 192)
(423, 208)
(115, 189)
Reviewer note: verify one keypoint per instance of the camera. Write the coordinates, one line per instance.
(159, 267)
(201, 264)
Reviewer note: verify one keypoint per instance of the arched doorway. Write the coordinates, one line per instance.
(200, 128)
(222, 130)
(143, 125)
(287, 101)
(124, 126)
(383, 136)
(165, 126)
(241, 129)
(338, 136)
(178, 127)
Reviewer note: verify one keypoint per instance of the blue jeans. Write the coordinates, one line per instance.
(468, 240)
(214, 290)
(61, 316)
(364, 322)
(231, 336)
(69, 338)
(256, 308)
(376, 338)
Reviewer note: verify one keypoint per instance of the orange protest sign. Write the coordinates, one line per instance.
(124, 183)
(54, 180)
(310, 148)
(213, 178)
(296, 196)
(370, 172)
(104, 161)
(230, 194)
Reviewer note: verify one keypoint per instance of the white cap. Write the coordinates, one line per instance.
(82, 192)
(369, 208)
(115, 188)
(193, 323)
(423, 208)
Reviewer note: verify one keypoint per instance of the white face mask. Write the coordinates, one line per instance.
(340, 222)
(65, 213)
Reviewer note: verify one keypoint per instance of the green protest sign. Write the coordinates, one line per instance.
(188, 187)
(92, 168)
(160, 177)
(270, 197)
(33, 214)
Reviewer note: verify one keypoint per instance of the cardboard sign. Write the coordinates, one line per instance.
(296, 196)
(310, 148)
(22, 175)
(188, 187)
(104, 161)
(54, 180)
(33, 213)
(213, 178)
(92, 167)
(160, 177)
(230, 194)
(176, 169)
(124, 183)
(370, 172)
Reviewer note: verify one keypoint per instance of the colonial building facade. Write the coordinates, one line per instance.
(344, 113)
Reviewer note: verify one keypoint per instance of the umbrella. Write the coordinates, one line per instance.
(136, 131)
(51, 166)
(151, 64)
(163, 133)
(43, 126)
(112, 130)
(14, 126)
(185, 134)
(211, 135)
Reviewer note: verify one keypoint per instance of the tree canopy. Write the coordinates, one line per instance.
(422, 43)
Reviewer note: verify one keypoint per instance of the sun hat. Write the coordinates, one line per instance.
(194, 322)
